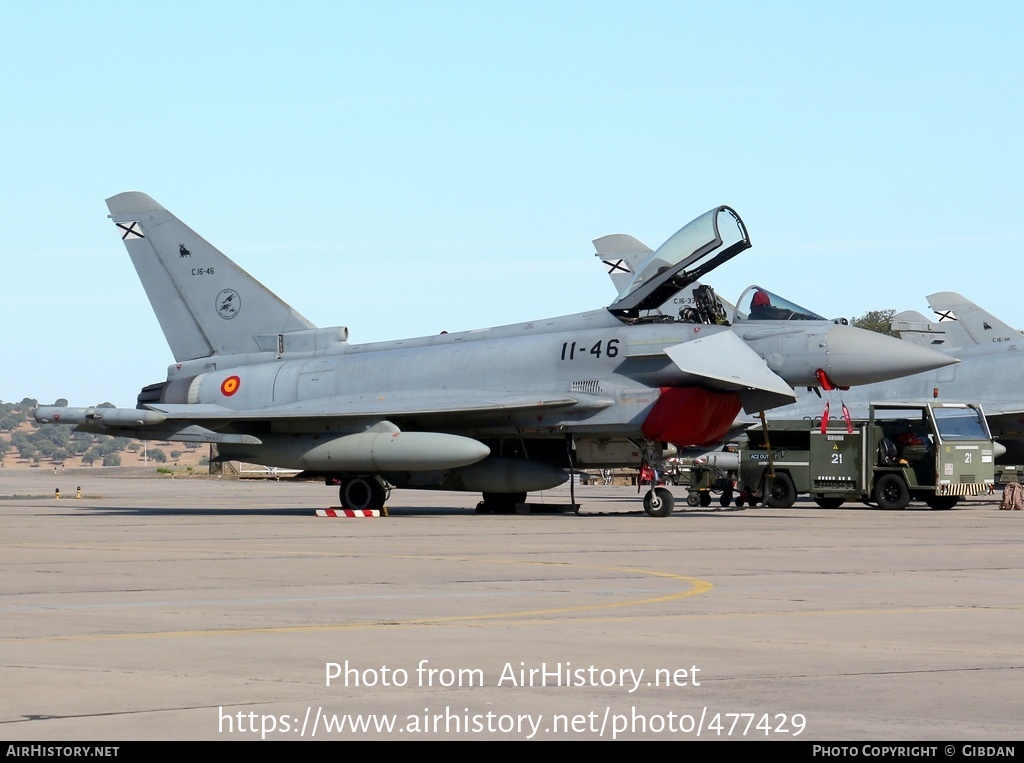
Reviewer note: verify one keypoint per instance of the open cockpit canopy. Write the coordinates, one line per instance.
(693, 251)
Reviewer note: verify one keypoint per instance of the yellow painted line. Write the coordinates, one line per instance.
(812, 613)
(696, 587)
(504, 617)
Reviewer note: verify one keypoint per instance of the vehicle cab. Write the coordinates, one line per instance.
(940, 451)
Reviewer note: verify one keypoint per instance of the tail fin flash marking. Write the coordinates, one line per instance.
(205, 303)
(622, 255)
(131, 230)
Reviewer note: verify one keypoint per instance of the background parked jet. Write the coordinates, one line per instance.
(960, 324)
(502, 411)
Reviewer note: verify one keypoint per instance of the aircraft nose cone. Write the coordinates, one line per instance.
(857, 356)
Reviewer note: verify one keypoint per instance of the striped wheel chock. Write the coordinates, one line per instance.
(351, 513)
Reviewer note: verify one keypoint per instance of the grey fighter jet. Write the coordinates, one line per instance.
(501, 411)
(960, 324)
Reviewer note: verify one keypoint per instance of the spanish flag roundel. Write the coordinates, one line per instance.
(230, 386)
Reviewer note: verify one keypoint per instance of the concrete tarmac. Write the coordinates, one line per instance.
(159, 608)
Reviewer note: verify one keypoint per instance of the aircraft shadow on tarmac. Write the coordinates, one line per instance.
(115, 511)
(269, 511)
(440, 511)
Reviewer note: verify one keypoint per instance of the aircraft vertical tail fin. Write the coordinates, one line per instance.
(205, 303)
(622, 255)
(980, 326)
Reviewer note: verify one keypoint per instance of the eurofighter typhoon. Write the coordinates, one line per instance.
(501, 411)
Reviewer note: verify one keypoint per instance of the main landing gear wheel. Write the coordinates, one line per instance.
(359, 493)
(891, 492)
(659, 502)
(779, 493)
(500, 503)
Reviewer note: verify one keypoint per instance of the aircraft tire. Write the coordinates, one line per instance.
(779, 492)
(359, 493)
(891, 492)
(659, 502)
(942, 502)
(502, 503)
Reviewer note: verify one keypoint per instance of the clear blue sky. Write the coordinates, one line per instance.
(407, 167)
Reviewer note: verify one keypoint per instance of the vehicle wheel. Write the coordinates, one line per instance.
(360, 493)
(693, 499)
(779, 493)
(705, 498)
(726, 498)
(891, 492)
(659, 502)
(942, 502)
(829, 503)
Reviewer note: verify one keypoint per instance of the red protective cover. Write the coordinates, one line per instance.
(687, 416)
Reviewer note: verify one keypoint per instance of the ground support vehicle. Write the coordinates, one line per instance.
(706, 476)
(932, 452)
(715, 471)
(703, 479)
